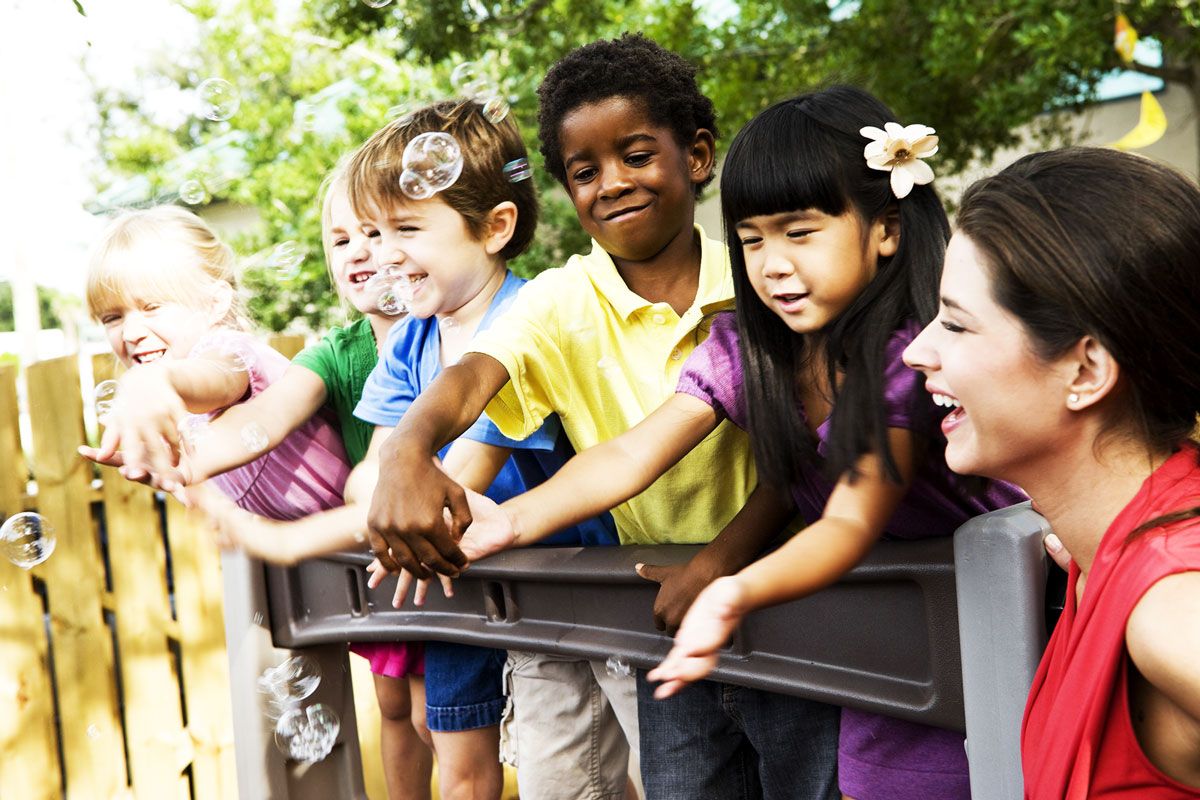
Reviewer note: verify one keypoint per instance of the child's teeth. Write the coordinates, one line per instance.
(943, 400)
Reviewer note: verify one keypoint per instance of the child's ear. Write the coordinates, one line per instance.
(220, 302)
(499, 227)
(702, 156)
(889, 232)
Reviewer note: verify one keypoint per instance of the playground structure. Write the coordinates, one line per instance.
(121, 677)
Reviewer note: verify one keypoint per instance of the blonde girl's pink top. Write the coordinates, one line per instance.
(306, 472)
(1077, 740)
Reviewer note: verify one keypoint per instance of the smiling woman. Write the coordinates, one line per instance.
(1069, 344)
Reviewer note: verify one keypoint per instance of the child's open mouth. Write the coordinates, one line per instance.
(148, 356)
(358, 278)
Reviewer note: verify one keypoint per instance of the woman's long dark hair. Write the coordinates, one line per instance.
(805, 153)
(1094, 242)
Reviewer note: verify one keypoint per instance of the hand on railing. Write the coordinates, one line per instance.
(404, 583)
(408, 526)
(706, 627)
(680, 584)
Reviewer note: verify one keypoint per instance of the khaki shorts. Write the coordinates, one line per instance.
(568, 727)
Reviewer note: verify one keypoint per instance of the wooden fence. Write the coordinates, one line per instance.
(114, 682)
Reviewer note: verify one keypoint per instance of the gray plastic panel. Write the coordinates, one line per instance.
(1002, 569)
(883, 639)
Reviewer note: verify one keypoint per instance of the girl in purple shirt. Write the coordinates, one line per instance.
(836, 242)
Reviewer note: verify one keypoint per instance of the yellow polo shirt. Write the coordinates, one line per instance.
(579, 343)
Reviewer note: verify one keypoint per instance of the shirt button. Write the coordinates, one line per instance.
(659, 319)
(676, 354)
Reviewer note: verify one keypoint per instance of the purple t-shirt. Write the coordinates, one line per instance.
(306, 472)
(878, 756)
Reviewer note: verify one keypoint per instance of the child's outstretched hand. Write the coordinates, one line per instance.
(172, 481)
(706, 627)
(145, 430)
(378, 572)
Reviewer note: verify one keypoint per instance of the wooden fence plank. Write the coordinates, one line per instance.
(158, 745)
(198, 605)
(91, 737)
(28, 748)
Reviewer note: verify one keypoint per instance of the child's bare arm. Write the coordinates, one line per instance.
(595, 480)
(153, 399)
(406, 522)
(277, 542)
(852, 521)
(277, 411)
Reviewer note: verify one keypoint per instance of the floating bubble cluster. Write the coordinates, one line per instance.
(469, 80)
(389, 302)
(193, 192)
(285, 260)
(219, 99)
(618, 667)
(307, 734)
(27, 539)
(254, 437)
(432, 162)
(292, 681)
(105, 394)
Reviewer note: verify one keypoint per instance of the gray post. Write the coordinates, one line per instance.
(1000, 569)
(263, 773)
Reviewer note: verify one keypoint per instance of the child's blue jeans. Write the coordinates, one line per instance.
(716, 741)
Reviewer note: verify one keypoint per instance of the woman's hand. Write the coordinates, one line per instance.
(706, 627)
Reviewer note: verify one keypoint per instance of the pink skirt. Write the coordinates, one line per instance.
(393, 659)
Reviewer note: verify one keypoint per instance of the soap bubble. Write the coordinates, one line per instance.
(285, 260)
(470, 81)
(517, 170)
(93, 731)
(307, 734)
(291, 681)
(254, 437)
(105, 394)
(27, 539)
(219, 97)
(618, 667)
(193, 192)
(389, 302)
(192, 429)
(377, 3)
(495, 109)
(414, 186)
(432, 162)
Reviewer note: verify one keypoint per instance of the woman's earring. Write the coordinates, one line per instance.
(1072, 398)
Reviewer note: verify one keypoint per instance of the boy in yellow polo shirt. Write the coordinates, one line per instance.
(601, 342)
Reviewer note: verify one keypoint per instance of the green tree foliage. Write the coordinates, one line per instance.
(974, 69)
(48, 307)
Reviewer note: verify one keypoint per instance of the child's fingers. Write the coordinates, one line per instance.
(420, 592)
(447, 585)
(402, 586)
(652, 572)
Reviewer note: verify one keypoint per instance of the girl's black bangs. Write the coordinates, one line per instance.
(782, 161)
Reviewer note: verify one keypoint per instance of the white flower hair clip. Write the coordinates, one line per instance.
(898, 149)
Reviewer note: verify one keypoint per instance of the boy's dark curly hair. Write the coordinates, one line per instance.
(631, 66)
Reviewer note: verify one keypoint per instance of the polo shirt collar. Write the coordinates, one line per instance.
(716, 281)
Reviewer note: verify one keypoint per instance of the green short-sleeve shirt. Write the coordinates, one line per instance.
(343, 359)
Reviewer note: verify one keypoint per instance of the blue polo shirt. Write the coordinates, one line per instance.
(410, 361)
